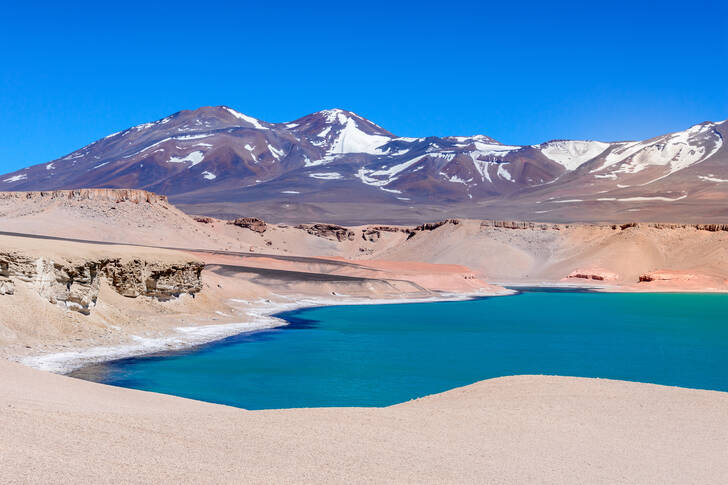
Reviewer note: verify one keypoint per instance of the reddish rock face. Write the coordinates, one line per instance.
(587, 276)
(596, 274)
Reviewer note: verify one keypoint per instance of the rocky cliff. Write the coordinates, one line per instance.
(74, 285)
(109, 195)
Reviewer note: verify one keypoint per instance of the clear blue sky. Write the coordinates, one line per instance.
(521, 72)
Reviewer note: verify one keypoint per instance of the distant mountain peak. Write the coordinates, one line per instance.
(217, 153)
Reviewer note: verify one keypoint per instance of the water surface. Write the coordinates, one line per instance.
(378, 355)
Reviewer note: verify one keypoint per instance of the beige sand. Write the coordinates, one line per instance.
(527, 429)
(237, 290)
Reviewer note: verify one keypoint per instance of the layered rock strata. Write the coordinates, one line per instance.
(74, 285)
(112, 195)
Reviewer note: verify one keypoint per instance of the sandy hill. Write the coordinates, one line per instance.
(520, 429)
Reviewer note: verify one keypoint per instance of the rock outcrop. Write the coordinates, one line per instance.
(431, 226)
(7, 287)
(682, 280)
(157, 280)
(374, 233)
(252, 223)
(596, 274)
(74, 285)
(522, 225)
(112, 195)
(329, 231)
(668, 275)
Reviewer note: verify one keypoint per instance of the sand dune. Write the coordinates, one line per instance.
(533, 429)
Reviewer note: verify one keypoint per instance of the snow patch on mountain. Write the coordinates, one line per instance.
(276, 152)
(482, 166)
(494, 149)
(711, 178)
(447, 156)
(571, 154)
(353, 140)
(504, 173)
(307, 162)
(111, 135)
(467, 140)
(209, 175)
(647, 199)
(194, 157)
(177, 138)
(246, 118)
(455, 179)
(675, 151)
(16, 178)
(326, 176)
(193, 137)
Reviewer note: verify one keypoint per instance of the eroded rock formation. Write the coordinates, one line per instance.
(157, 280)
(431, 226)
(74, 285)
(113, 195)
(328, 231)
(522, 225)
(252, 223)
(373, 233)
(597, 274)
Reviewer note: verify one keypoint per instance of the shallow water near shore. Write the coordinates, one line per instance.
(378, 355)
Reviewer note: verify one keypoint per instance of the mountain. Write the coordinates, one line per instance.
(338, 165)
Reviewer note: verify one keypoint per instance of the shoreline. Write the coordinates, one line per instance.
(263, 318)
(187, 338)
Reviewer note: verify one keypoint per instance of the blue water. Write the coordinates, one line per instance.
(377, 355)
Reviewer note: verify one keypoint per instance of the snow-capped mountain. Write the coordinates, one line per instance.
(216, 155)
(338, 132)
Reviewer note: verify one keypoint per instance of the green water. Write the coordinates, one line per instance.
(377, 355)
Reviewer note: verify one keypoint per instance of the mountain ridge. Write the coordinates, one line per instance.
(219, 155)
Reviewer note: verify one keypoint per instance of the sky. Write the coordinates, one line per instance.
(520, 72)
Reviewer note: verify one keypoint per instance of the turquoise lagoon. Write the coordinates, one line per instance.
(378, 355)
